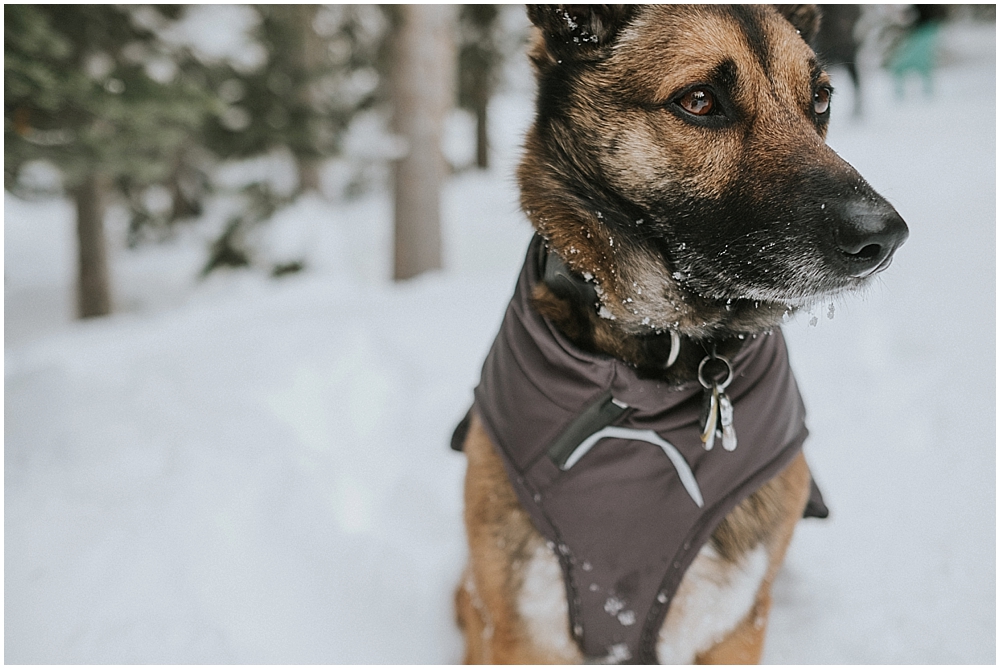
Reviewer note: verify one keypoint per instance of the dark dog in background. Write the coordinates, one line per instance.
(680, 186)
(836, 43)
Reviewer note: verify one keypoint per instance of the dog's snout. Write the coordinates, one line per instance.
(867, 235)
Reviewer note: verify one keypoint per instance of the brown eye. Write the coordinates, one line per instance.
(699, 102)
(821, 100)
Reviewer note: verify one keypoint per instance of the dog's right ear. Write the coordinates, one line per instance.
(804, 18)
(579, 32)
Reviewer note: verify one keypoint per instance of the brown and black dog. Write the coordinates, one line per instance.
(677, 164)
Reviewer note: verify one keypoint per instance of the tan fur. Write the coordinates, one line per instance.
(501, 539)
(773, 511)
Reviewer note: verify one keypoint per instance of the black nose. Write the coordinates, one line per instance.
(868, 232)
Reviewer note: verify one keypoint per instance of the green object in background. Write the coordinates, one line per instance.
(917, 52)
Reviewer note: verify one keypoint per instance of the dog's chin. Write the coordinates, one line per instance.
(794, 286)
(736, 308)
(691, 315)
(700, 298)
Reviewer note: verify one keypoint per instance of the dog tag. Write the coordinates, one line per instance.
(726, 421)
(716, 409)
(709, 416)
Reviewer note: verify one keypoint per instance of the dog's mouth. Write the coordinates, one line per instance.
(741, 261)
(792, 278)
(826, 248)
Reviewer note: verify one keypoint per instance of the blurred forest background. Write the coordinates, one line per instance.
(142, 106)
(147, 108)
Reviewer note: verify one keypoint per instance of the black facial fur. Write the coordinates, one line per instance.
(750, 22)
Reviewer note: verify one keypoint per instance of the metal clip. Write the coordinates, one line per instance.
(717, 410)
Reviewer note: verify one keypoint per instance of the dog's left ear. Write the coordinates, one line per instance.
(805, 18)
(579, 32)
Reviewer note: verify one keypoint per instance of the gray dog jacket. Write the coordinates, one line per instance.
(626, 508)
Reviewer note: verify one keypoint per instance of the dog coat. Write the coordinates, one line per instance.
(626, 506)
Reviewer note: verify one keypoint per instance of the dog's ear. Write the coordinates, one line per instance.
(805, 18)
(579, 32)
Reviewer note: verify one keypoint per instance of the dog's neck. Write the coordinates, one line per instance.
(571, 303)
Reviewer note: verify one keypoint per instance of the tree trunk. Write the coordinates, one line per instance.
(479, 60)
(422, 91)
(186, 199)
(309, 180)
(308, 56)
(93, 289)
(482, 138)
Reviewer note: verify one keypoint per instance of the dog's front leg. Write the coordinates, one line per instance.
(745, 643)
(502, 546)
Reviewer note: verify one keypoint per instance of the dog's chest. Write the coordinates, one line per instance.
(714, 596)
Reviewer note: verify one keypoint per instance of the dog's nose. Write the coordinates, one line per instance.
(867, 235)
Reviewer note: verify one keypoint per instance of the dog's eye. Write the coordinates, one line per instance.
(699, 102)
(821, 100)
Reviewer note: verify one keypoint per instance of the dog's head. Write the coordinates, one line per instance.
(678, 157)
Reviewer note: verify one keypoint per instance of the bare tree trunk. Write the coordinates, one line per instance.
(482, 137)
(93, 289)
(422, 91)
(185, 202)
(308, 174)
(309, 56)
(478, 60)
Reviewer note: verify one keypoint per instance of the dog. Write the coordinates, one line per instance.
(685, 203)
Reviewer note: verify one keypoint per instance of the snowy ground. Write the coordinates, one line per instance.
(254, 471)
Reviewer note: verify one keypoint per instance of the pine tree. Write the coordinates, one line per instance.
(82, 90)
(319, 73)
(322, 69)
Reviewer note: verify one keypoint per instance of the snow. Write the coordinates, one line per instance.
(247, 470)
(201, 28)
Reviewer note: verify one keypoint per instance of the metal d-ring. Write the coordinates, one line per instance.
(701, 368)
